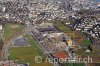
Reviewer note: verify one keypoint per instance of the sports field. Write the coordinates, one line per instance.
(28, 54)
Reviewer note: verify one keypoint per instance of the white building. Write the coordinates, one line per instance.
(0, 27)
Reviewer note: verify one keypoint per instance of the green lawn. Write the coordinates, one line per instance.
(11, 30)
(64, 28)
(28, 54)
(86, 42)
(67, 30)
(34, 44)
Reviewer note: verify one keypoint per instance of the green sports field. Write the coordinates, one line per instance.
(28, 54)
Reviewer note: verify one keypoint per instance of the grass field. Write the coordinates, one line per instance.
(68, 31)
(11, 30)
(86, 42)
(28, 54)
(64, 28)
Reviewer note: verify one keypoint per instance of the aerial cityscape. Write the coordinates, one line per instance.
(49, 32)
